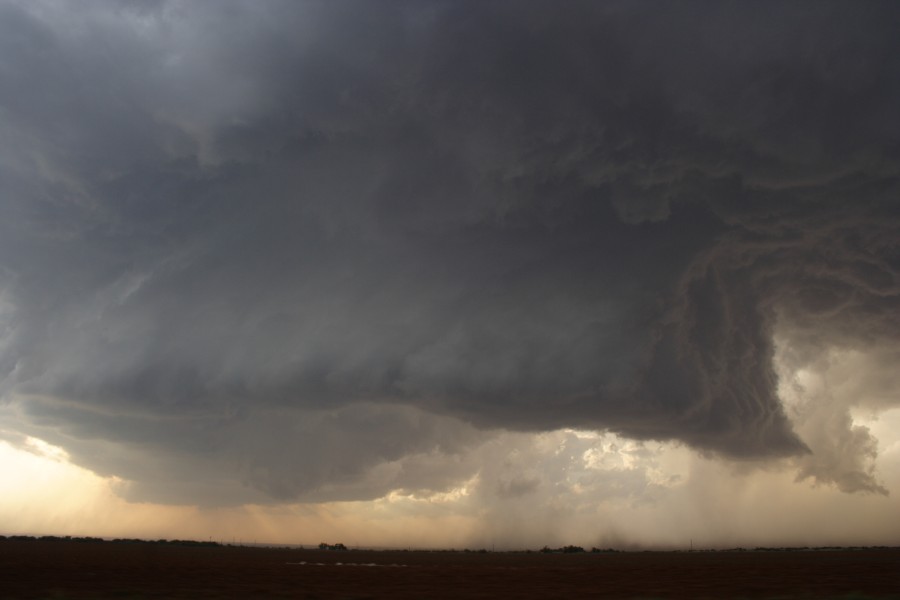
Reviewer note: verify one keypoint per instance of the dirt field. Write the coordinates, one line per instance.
(60, 570)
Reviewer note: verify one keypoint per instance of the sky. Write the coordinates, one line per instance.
(451, 274)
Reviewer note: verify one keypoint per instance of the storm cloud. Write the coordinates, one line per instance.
(325, 250)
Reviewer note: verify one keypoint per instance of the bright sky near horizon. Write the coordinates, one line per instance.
(687, 498)
(444, 274)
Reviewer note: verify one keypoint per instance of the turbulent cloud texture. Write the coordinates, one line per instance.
(257, 251)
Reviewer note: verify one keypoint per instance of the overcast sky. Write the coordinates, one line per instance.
(534, 267)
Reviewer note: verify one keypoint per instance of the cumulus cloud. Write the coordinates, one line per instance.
(813, 385)
(306, 249)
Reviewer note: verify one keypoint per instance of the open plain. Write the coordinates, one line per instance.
(64, 569)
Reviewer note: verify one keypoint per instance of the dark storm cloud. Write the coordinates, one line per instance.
(226, 228)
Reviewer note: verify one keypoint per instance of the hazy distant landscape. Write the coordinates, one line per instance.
(91, 568)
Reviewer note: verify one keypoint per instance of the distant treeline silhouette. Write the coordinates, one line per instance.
(574, 550)
(341, 547)
(94, 540)
(324, 546)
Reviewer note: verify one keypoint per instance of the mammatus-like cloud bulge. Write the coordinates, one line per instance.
(289, 245)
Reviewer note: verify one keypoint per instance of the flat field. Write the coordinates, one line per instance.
(61, 570)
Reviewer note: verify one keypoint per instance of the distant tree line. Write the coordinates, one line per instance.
(341, 547)
(324, 546)
(574, 550)
(95, 540)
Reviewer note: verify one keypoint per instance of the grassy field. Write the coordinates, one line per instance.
(62, 569)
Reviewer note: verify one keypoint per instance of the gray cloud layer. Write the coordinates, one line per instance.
(298, 241)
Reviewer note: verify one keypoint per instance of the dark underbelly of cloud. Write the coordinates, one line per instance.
(239, 238)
